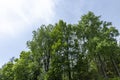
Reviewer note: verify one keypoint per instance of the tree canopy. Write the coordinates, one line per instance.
(88, 50)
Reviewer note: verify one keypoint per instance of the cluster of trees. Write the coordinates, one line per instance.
(87, 50)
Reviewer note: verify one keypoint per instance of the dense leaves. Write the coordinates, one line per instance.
(88, 50)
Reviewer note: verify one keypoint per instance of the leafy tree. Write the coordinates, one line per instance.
(98, 39)
(6, 73)
(41, 48)
(22, 67)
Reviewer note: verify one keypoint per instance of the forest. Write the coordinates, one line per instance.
(87, 50)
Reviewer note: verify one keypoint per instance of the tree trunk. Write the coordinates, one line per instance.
(69, 69)
(102, 66)
(115, 66)
(47, 60)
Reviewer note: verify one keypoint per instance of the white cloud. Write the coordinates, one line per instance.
(17, 15)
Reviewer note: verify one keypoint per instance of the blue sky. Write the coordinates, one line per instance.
(18, 18)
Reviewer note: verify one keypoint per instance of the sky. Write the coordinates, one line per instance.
(18, 18)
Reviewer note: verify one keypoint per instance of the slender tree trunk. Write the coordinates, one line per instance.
(69, 69)
(36, 74)
(69, 72)
(102, 66)
(72, 75)
(97, 64)
(48, 61)
(115, 66)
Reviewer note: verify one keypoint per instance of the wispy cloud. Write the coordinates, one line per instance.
(17, 15)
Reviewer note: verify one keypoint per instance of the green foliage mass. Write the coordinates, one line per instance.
(88, 50)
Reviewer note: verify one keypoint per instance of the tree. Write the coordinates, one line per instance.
(41, 48)
(6, 73)
(23, 68)
(98, 39)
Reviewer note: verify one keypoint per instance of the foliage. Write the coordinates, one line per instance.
(87, 50)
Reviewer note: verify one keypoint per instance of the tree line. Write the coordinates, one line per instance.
(88, 50)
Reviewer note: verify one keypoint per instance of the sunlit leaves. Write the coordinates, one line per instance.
(87, 50)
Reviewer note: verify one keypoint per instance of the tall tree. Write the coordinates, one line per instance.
(41, 48)
(22, 67)
(98, 39)
(6, 73)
